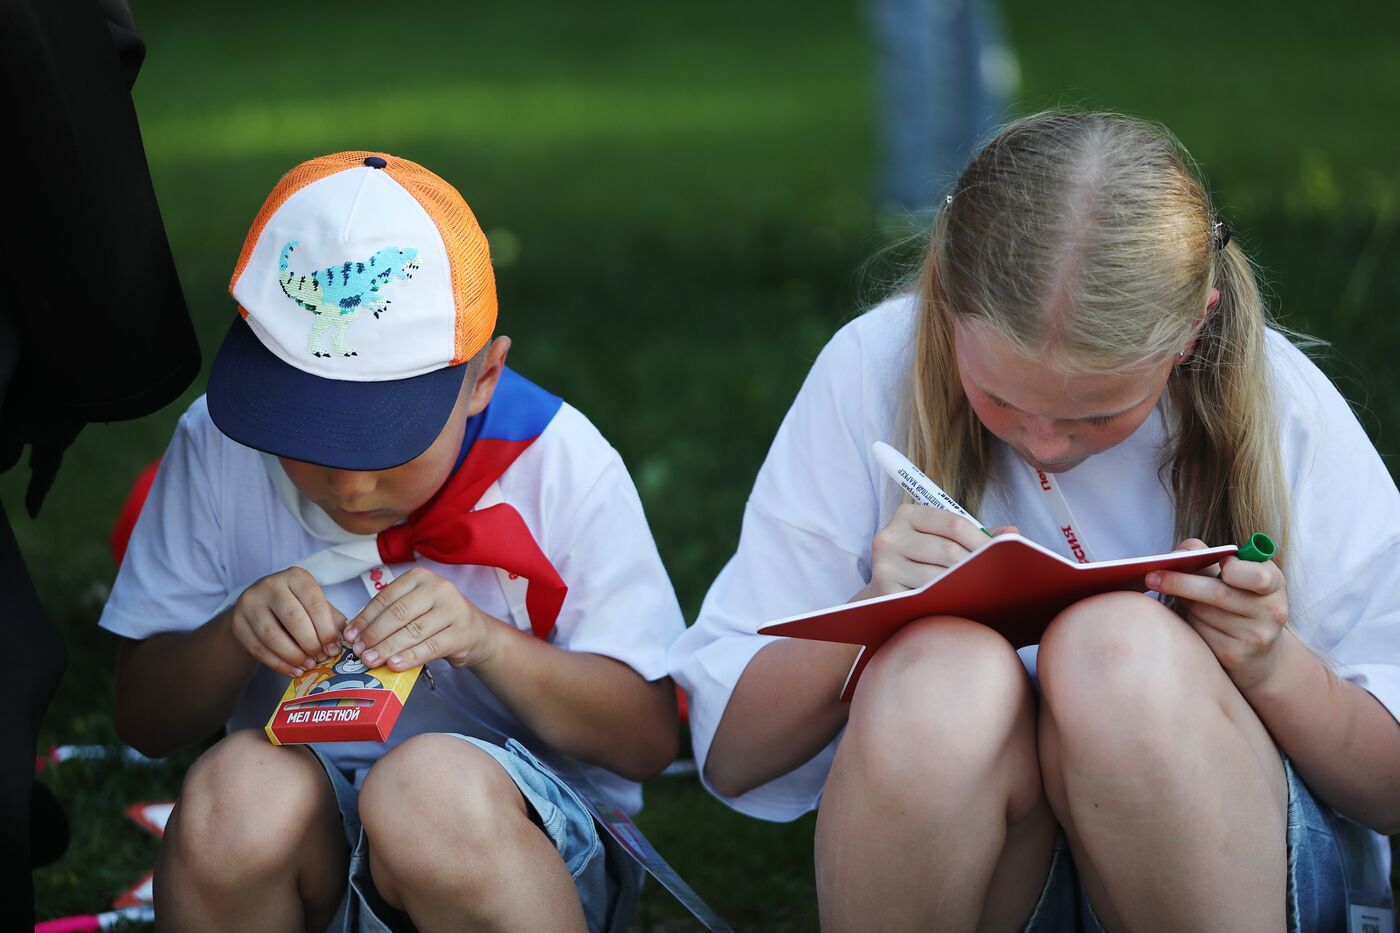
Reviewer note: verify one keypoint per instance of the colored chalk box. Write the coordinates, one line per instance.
(341, 700)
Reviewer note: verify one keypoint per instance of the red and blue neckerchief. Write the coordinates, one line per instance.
(448, 528)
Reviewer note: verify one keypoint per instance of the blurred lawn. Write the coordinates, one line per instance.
(677, 203)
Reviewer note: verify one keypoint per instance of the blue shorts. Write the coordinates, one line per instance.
(607, 879)
(1317, 889)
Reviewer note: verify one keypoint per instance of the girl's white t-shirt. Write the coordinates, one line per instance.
(214, 522)
(820, 497)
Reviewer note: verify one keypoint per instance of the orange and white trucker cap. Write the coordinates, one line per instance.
(362, 287)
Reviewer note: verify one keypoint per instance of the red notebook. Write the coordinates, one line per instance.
(1012, 585)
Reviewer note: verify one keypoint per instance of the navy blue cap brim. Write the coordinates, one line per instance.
(262, 402)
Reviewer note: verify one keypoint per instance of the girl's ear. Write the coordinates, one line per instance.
(1211, 304)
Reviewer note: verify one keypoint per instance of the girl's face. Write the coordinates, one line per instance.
(1053, 420)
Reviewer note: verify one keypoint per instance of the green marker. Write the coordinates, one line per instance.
(1259, 548)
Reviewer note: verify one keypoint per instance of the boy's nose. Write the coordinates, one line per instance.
(349, 485)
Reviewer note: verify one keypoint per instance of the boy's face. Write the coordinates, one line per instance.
(366, 503)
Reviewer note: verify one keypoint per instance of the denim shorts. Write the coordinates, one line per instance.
(1317, 889)
(606, 878)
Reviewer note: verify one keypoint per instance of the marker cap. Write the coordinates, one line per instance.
(1259, 548)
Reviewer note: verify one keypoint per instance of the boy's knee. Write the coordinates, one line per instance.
(234, 793)
(438, 787)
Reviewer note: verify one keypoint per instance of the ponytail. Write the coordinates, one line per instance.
(1223, 460)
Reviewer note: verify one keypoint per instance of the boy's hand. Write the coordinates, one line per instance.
(918, 544)
(1238, 607)
(286, 622)
(417, 618)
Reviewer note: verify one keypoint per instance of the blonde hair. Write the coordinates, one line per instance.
(1087, 239)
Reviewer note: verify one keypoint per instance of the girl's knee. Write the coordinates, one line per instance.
(950, 662)
(944, 655)
(1111, 642)
(1116, 670)
(941, 689)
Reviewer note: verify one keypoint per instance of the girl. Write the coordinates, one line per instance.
(1084, 336)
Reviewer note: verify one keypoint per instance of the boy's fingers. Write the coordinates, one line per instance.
(297, 623)
(420, 640)
(267, 641)
(338, 620)
(266, 658)
(403, 614)
(319, 610)
(381, 601)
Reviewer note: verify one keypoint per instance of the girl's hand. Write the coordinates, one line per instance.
(286, 622)
(919, 544)
(420, 617)
(1239, 610)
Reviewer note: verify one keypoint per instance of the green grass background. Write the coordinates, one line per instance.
(678, 202)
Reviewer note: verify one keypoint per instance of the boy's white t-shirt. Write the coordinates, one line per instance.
(213, 523)
(820, 497)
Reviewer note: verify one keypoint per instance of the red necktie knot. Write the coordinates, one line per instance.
(495, 537)
(396, 544)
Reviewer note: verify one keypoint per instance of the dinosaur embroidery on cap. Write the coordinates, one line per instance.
(337, 294)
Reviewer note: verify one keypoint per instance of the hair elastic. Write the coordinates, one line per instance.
(1220, 233)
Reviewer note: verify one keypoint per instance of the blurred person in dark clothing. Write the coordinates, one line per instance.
(93, 327)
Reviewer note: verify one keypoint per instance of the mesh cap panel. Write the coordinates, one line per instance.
(469, 255)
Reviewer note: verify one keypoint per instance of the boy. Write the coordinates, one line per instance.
(360, 406)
